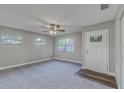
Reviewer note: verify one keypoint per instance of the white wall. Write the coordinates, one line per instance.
(118, 52)
(122, 41)
(28, 51)
(111, 26)
(80, 44)
(122, 29)
(77, 54)
(118, 47)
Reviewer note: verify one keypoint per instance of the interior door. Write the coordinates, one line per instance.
(97, 50)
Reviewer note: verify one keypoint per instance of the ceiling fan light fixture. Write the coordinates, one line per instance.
(53, 29)
(51, 32)
(54, 32)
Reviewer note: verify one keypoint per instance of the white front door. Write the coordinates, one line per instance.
(97, 50)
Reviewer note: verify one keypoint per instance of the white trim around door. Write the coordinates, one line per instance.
(97, 50)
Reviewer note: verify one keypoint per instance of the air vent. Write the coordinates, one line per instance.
(104, 6)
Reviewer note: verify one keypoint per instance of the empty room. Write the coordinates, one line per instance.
(61, 46)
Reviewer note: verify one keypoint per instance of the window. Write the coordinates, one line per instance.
(61, 45)
(66, 45)
(11, 39)
(70, 45)
(41, 41)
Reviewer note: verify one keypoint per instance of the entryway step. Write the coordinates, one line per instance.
(99, 77)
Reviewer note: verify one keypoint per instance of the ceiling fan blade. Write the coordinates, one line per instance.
(61, 30)
(45, 31)
(44, 27)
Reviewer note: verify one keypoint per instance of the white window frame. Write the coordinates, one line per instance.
(67, 43)
(41, 41)
(12, 39)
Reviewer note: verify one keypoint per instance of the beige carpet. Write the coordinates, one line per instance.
(49, 75)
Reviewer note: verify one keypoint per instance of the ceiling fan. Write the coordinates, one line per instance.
(53, 29)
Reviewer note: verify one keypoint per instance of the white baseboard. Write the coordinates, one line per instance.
(117, 81)
(83, 67)
(22, 64)
(112, 74)
(36, 61)
(69, 60)
(108, 73)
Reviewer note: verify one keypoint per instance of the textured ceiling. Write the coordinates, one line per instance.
(70, 17)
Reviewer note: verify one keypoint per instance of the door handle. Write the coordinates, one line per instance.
(86, 51)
